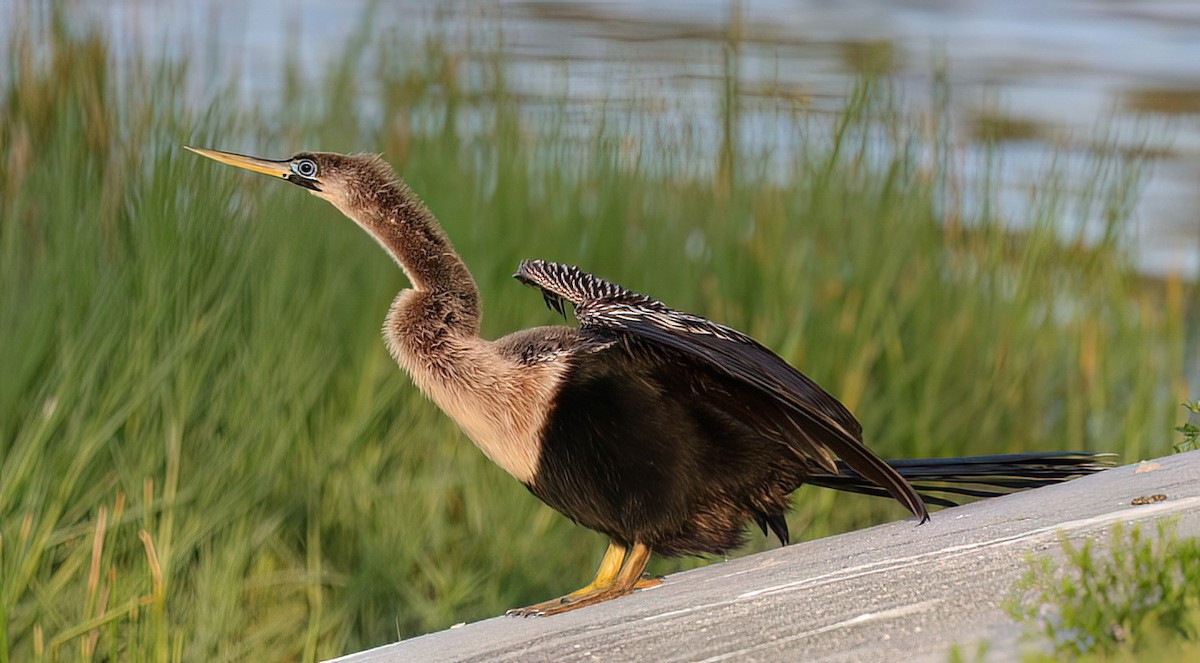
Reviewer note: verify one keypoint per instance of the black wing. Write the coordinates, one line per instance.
(601, 305)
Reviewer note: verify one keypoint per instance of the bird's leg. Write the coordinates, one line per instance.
(620, 573)
(635, 566)
(610, 566)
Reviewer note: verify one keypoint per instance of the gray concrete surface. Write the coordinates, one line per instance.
(896, 592)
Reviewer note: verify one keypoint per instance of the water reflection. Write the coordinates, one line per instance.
(1039, 75)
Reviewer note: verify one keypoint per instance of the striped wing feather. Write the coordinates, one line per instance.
(604, 306)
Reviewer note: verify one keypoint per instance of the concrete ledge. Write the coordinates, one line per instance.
(888, 593)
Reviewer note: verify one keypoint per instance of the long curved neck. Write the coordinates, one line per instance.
(408, 231)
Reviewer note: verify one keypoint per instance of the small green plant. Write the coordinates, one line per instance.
(1191, 432)
(1137, 598)
(963, 654)
(1171, 650)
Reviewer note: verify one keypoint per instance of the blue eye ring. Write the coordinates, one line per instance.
(306, 168)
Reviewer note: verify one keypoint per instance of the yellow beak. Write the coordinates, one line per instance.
(280, 169)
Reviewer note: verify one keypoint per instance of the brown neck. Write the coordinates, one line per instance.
(408, 231)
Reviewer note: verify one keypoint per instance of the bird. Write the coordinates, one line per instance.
(665, 431)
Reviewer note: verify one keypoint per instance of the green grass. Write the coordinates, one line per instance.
(206, 453)
(1136, 599)
(1189, 430)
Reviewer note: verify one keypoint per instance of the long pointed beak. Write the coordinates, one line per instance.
(281, 169)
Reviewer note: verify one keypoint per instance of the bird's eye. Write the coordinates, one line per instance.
(305, 168)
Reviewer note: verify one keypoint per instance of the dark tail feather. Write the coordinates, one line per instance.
(778, 524)
(876, 472)
(946, 481)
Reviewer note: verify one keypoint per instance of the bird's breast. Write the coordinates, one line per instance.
(499, 403)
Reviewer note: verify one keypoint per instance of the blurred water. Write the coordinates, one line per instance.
(1061, 72)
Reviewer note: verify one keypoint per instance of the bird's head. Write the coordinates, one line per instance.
(342, 179)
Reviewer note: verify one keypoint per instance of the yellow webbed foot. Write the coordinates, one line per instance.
(620, 573)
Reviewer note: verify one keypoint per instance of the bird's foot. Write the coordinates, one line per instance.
(568, 603)
(646, 582)
(580, 599)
